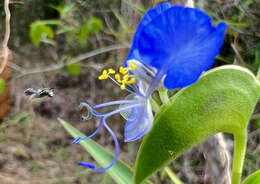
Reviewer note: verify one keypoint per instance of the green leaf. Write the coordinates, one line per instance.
(92, 25)
(120, 172)
(84, 32)
(253, 178)
(2, 84)
(40, 30)
(63, 9)
(66, 29)
(74, 69)
(95, 25)
(221, 101)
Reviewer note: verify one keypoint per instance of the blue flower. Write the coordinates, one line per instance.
(172, 44)
(179, 42)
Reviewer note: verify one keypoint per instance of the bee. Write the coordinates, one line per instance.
(40, 93)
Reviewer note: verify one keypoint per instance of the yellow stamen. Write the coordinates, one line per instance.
(131, 81)
(104, 75)
(123, 70)
(111, 71)
(118, 78)
(132, 66)
(125, 78)
(124, 74)
(122, 87)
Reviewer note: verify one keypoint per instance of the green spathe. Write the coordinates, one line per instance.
(221, 101)
(120, 172)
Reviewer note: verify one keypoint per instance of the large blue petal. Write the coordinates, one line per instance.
(147, 18)
(181, 43)
(188, 68)
(139, 122)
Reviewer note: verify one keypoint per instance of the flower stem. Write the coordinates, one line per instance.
(163, 95)
(172, 175)
(239, 156)
(155, 106)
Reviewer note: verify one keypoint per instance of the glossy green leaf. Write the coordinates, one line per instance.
(74, 69)
(2, 83)
(120, 172)
(253, 178)
(221, 101)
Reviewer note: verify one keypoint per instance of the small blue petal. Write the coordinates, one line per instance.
(139, 122)
(87, 165)
(180, 42)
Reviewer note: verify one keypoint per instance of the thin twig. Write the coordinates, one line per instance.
(7, 35)
(72, 61)
(238, 54)
(16, 67)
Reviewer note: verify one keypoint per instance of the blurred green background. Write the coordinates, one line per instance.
(65, 44)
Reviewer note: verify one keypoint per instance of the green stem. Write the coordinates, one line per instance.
(172, 175)
(163, 95)
(239, 156)
(258, 74)
(155, 106)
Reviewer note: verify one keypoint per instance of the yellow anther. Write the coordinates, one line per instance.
(125, 78)
(131, 81)
(111, 71)
(122, 87)
(122, 77)
(118, 78)
(123, 70)
(104, 75)
(132, 66)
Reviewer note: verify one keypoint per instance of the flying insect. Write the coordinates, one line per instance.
(40, 93)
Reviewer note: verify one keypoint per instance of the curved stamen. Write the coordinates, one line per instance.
(121, 109)
(97, 114)
(89, 110)
(102, 120)
(92, 166)
(117, 102)
(78, 139)
(92, 110)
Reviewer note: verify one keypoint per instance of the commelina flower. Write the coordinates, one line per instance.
(172, 44)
